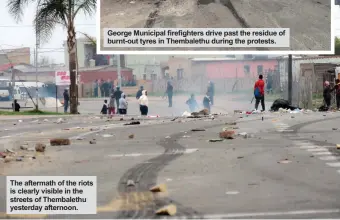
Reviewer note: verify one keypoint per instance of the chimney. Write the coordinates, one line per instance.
(92, 63)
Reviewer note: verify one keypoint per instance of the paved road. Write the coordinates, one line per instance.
(310, 30)
(238, 178)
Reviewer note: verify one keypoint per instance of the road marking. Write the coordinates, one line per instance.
(322, 153)
(174, 151)
(258, 214)
(329, 158)
(333, 164)
(317, 149)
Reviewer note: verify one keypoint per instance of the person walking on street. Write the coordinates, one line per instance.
(207, 102)
(112, 105)
(327, 94)
(66, 100)
(118, 95)
(139, 92)
(259, 93)
(211, 92)
(104, 108)
(144, 103)
(16, 106)
(123, 105)
(170, 91)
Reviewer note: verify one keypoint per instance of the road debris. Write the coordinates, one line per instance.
(20, 121)
(130, 183)
(10, 151)
(185, 136)
(24, 147)
(60, 120)
(231, 123)
(107, 135)
(186, 114)
(8, 159)
(167, 210)
(93, 142)
(19, 159)
(338, 146)
(133, 123)
(60, 141)
(46, 120)
(198, 129)
(215, 140)
(2, 155)
(167, 137)
(159, 188)
(131, 136)
(228, 134)
(334, 129)
(244, 134)
(40, 147)
(240, 157)
(285, 161)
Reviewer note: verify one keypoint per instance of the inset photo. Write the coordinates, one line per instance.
(216, 25)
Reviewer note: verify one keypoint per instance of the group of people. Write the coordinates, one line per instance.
(327, 94)
(103, 88)
(208, 99)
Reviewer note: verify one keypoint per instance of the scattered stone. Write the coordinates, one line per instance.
(215, 140)
(167, 137)
(133, 123)
(228, 134)
(60, 141)
(80, 138)
(8, 159)
(231, 123)
(24, 147)
(334, 129)
(45, 120)
(159, 188)
(31, 149)
(131, 136)
(292, 116)
(60, 120)
(241, 157)
(19, 121)
(14, 124)
(93, 142)
(121, 119)
(132, 119)
(197, 129)
(2, 155)
(170, 210)
(34, 158)
(130, 183)
(39, 147)
(311, 156)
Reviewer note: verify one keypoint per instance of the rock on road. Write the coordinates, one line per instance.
(309, 20)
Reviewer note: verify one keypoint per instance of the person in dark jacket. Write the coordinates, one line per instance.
(139, 92)
(327, 94)
(16, 106)
(104, 108)
(117, 94)
(66, 100)
(170, 92)
(192, 103)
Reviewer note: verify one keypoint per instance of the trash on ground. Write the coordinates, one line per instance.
(244, 134)
(170, 210)
(133, 123)
(240, 157)
(107, 135)
(285, 161)
(2, 155)
(231, 123)
(20, 121)
(197, 129)
(174, 119)
(159, 188)
(338, 146)
(334, 129)
(281, 104)
(167, 137)
(131, 136)
(40, 147)
(24, 147)
(80, 138)
(19, 159)
(92, 142)
(60, 141)
(215, 140)
(10, 151)
(60, 120)
(46, 120)
(185, 136)
(228, 134)
(8, 159)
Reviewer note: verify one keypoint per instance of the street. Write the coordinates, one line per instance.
(314, 22)
(279, 165)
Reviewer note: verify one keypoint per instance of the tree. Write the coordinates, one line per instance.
(51, 13)
(337, 46)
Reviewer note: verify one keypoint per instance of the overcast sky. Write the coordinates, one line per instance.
(14, 34)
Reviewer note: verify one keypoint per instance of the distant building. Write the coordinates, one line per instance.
(14, 56)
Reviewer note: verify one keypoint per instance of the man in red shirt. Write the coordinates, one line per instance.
(259, 93)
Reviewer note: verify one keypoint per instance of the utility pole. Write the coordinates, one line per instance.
(119, 71)
(36, 69)
(12, 87)
(290, 78)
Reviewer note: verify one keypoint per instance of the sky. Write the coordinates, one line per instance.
(13, 34)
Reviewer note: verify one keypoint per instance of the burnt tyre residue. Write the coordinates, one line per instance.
(145, 176)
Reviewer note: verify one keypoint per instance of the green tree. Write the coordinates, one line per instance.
(337, 46)
(51, 13)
